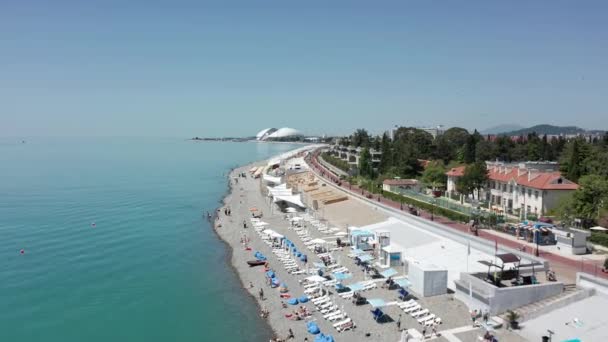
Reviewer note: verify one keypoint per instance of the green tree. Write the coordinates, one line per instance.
(360, 138)
(474, 178)
(434, 175)
(571, 164)
(449, 143)
(485, 150)
(470, 147)
(365, 164)
(591, 197)
(386, 159)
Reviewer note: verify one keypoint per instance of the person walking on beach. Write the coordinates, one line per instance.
(261, 294)
(399, 323)
(291, 335)
(244, 224)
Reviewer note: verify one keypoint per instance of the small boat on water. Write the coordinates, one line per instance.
(254, 263)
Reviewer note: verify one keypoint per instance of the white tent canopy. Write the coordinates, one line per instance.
(272, 179)
(318, 241)
(293, 199)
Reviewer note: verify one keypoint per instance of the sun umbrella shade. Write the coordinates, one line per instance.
(342, 276)
(377, 302)
(388, 273)
(365, 258)
(403, 282)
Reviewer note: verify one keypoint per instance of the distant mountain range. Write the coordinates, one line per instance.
(501, 129)
(515, 130)
(546, 129)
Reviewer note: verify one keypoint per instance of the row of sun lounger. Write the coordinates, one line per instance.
(422, 315)
(331, 312)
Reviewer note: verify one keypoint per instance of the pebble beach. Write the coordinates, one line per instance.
(245, 194)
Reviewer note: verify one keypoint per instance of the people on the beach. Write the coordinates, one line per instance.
(261, 293)
(291, 335)
(250, 285)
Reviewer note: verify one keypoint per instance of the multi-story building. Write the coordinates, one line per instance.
(352, 154)
(531, 188)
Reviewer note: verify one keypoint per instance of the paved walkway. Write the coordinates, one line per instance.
(565, 268)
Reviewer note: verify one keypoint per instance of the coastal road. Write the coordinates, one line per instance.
(566, 268)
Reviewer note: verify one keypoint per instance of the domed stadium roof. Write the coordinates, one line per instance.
(265, 133)
(284, 133)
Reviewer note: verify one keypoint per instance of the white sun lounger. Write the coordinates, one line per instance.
(347, 295)
(337, 317)
(425, 319)
(409, 303)
(331, 313)
(342, 322)
(432, 322)
(330, 310)
(420, 313)
(320, 299)
(325, 305)
(412, 308)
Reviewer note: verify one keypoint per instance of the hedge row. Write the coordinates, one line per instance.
(599, 238)
(452, 215)
(339, 163)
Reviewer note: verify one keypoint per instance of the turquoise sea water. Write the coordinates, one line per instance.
(150, 270)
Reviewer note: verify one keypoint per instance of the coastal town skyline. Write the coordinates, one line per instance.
(73, 69)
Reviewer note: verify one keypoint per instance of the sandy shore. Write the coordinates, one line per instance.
(246, 194)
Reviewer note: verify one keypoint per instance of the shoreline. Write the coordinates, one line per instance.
(230, 248)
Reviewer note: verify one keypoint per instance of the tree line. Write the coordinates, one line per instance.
(411, 149)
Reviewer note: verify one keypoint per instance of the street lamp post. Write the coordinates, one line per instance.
(537, 252)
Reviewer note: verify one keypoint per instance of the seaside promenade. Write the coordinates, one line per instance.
(246, 194)
(565, 267)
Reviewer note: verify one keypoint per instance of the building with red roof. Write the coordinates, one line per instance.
(397, 185)
(524, 188)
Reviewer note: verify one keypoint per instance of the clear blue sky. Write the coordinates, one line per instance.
(173, 68)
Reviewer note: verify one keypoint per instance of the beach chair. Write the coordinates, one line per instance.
(347, 324)
(331, 313)
(325, 305)
(420, 313)
(330, 310)
(368, 287)
(425, 319)
(312, 290)
(337, 317)
(347, 295)
(320, 301)
(336, 325)
(412, 309)
(409, 303)
(432, 322)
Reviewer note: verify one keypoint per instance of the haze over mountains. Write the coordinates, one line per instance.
(544, 129)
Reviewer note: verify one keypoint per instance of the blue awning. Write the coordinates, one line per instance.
(357, 251)
(377, 302)
(342, 276)
(365, 257)
(355, 287)
(388, 273)
(403, 282)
